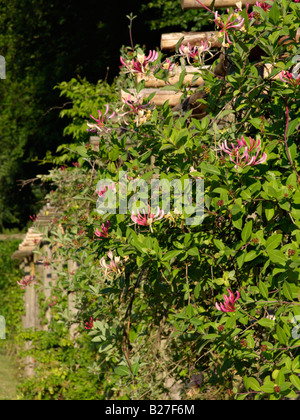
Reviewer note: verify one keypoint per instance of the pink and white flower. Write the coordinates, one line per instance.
(141, 63)
(113, 266)
(137, 108)
(228, 305)
(147, 219)
(26, 281)
(292, 79)
(103, 190)
(234, 22)
(100, 122)
(89, 325)
(104, 230)
(244, 154)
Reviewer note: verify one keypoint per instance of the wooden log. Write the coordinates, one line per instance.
(73, 311)
(193, 4)
(31, 318)
(169, 41)
(160, 97)
(267, 71)
(46, 277)
(152, 82)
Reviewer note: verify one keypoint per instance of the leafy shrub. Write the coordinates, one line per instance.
(211, 306)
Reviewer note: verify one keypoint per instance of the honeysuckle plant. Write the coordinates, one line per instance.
(166, 295)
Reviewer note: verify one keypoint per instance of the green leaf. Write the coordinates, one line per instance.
(237, 216)
(171, 254)
(277, 257)
(295, 381)
(273, 242)
(251, 383)
(230, 323)
(269, 210)
(197, 290)
(251, 255)
(135, 368)
(266, 322)
(282, 338)
(263, 288)
(292, 126)
(122, 370)
(268, 387)
(140, 86)
(247, 231)
(193, 252)
(219, 244)
(211, 169)
(274, 13)
(178, 44)
(287, 291)
(114, 153)
(250, 341)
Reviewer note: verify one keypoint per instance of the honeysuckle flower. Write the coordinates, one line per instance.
(147, 219)
(188, 52)
(100, 122)
(135, 104)
(228, 305)
(142, 117)
(262, 5)
(195, 53)
(141, 63)
(113, 266)
(103, 190)
(234, 22)
(90, 324)
(292, 79)
(52, 301)
(104, 230)
(243, 153)
(26, 281)
(167, 65)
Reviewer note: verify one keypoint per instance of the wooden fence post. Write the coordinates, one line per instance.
(194, 4)
(30, 319)
(72, 267)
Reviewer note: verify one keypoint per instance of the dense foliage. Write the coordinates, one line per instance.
(11, 297)
(207, 310)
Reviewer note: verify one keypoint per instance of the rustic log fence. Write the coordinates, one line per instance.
(169, 42)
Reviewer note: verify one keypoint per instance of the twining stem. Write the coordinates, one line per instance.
(131, 17)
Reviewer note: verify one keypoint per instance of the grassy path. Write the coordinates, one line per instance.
(8, 378)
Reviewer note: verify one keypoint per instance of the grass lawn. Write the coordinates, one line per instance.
(8, 378)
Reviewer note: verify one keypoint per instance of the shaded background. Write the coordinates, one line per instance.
(45, 43)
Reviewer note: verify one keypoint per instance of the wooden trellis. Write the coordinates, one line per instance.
(36, 239)
(161, 96)
(194, 4)
(169, 42)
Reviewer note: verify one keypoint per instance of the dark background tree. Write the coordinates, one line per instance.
(45, 43)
